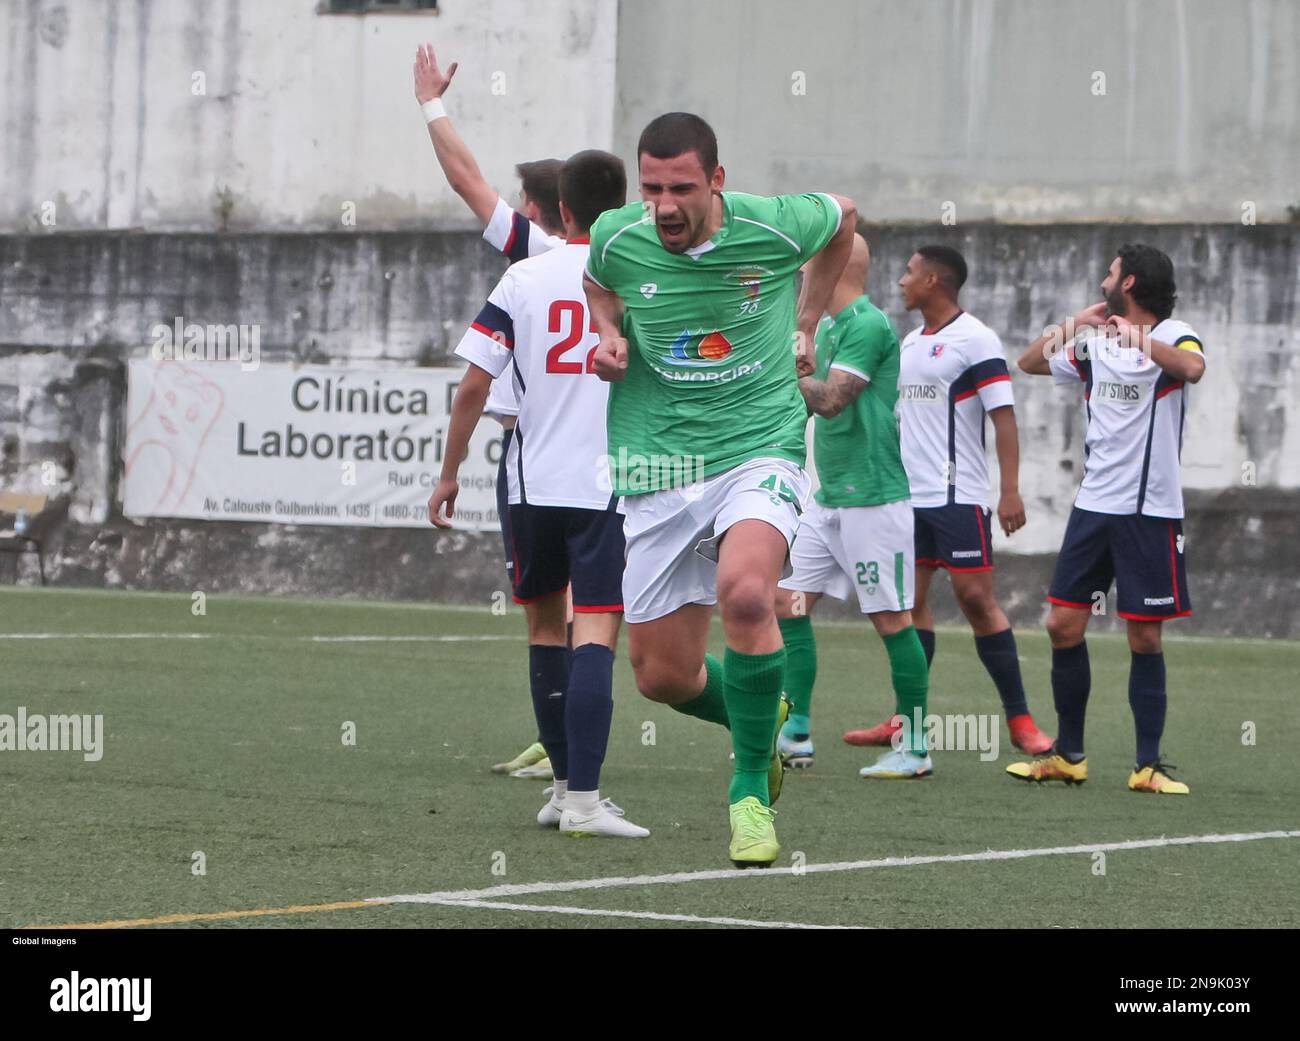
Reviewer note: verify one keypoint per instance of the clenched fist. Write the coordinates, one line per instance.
(610, 359)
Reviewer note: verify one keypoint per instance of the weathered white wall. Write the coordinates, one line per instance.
(985, 103)
(302, 111)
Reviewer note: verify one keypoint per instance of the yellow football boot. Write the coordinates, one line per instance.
(1154, 779)
(753, 838)
(1050, 768)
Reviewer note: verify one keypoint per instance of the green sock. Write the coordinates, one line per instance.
(709, 704)
(911, 676)
(752, 686)
(800, 670)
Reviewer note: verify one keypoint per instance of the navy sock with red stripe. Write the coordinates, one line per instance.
(998, 653)
(1071, 684)
(1148, 699)
(588, 712)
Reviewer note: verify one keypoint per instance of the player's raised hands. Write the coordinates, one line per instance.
(1011, 512)
(610, 360)
(430, 81)
(1128, 334)
(444, 492)
(1091, 316)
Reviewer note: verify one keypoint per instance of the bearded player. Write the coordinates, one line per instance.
(1134, 362)
(693, 296)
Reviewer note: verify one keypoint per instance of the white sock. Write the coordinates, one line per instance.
(583, 803)
(560, 788)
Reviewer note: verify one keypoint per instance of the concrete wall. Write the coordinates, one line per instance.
(74, 307)
(301, 113)
(988, 104)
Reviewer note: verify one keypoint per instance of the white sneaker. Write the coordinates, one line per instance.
(549, 815)
(603, 823)
(900, 765)
(798, 755)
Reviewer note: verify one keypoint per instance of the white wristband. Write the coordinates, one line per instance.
(433, 110)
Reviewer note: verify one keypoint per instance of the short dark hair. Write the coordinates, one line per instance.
(1153, 289)
(951, 265)
(592, 182)
(541, 183)
(676, 133)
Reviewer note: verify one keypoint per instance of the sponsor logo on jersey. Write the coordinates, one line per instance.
(711, 376)
(1111, 390)
(918, 392)
(697, 349)
(649, 289)
(936, 350)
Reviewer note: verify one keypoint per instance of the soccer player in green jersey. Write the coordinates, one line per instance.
(857, 537)
(693, 297)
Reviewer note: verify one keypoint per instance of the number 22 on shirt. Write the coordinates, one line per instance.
(568, 317)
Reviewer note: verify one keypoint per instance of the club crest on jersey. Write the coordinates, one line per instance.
(690, 349)
(936, 350)
(649, 289)
(750, 278)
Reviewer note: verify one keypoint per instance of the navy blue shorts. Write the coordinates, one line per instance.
(1143, 555)
(503, 503)
(555, 547)
(958, 537)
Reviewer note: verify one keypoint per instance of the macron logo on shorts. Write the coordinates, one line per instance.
(967, 553)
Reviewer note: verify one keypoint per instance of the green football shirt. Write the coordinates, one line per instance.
(857, 455)
(711, 381)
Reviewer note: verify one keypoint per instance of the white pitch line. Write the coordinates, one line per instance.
(407, 639)
(257, 636)
(648, 915)
(531, 888)
(109, 636)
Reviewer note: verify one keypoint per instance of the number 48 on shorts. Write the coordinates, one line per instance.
(779, 491)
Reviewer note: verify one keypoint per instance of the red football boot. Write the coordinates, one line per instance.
(1026, 736)
(882, 735)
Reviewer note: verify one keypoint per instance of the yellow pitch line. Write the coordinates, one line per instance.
(217, 916)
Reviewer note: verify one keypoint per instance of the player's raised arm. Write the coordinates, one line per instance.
(821, 274)
(1037, 359)
(1183, 363)
(610, 359)
(466, 408)
(454, 156)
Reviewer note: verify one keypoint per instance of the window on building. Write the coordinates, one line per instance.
(371, 6)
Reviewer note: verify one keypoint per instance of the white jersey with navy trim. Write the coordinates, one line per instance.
(513, 234)
(536, 323)
(516, 236)
(948, 378)
(1135, 412)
